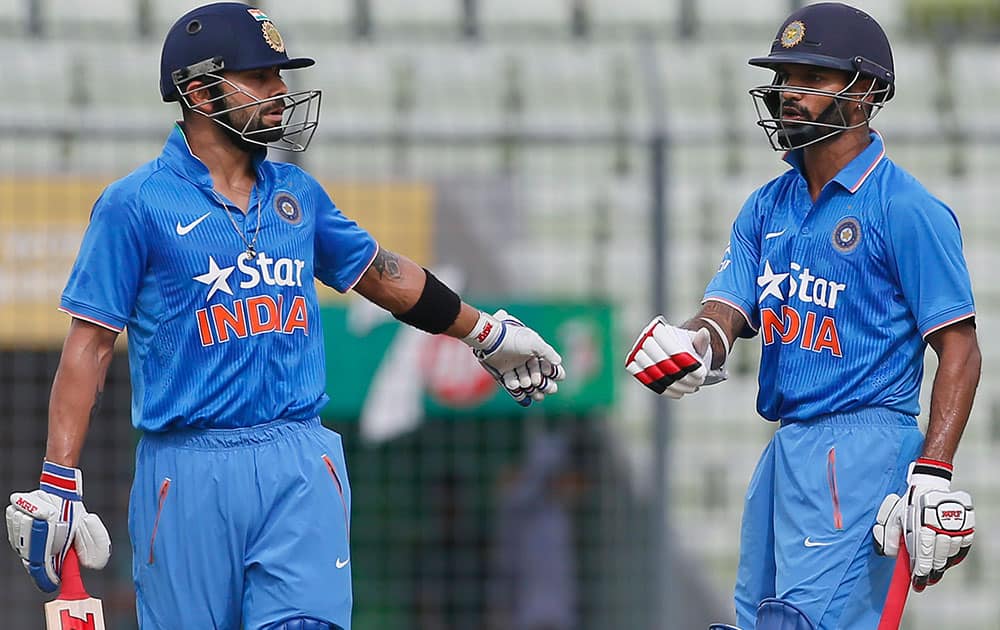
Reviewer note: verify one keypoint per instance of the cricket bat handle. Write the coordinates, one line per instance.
(899, 589)
(71, 584)
(74, 609)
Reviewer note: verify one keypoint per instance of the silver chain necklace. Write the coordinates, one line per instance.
(252, 243)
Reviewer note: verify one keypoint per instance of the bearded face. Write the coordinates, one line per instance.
(254, 109)
(250, 124)
(808, 104)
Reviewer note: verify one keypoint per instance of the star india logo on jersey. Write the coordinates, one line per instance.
(812, 329)
(254, 315)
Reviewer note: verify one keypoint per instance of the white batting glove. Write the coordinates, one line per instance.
(937, 523)
(43, 523)
(671, 360)
(516, 356)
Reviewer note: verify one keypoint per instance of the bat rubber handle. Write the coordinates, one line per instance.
(71, 584)
(899, 589)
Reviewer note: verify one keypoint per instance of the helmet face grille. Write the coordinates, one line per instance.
(300, 113)
(788, 134)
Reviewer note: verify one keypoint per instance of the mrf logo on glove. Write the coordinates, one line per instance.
(43, 524)
(936, 523)
(26, 505)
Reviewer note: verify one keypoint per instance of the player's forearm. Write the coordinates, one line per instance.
(393, 282)
(730, 323)
(76, 390)
(955, 382)
(396, 283)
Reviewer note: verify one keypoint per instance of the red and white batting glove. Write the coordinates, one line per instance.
(516, 356)
(671, 360)
(43, 523)
(937, 523)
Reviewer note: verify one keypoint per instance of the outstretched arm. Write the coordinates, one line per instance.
(515, 355)
(678, 360)
(77, 389)
(396, 283)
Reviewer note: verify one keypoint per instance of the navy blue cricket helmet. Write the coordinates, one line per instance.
(827, 35)
(221, 37)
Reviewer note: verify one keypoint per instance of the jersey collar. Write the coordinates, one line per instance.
(854, 175)
(178, 156)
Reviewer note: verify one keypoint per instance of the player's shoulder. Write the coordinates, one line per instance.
(126, 193)
(773, 193)
(899, 190)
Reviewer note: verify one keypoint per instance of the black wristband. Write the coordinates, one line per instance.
(436, 309)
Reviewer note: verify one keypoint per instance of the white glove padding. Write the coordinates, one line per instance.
(937, 524)
(671, 360)
(42, 524)
(516, 356)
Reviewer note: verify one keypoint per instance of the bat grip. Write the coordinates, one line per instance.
(899, 589)
(71, 584)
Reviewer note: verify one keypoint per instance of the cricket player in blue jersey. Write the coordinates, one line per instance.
(240, 509)
(847, 268)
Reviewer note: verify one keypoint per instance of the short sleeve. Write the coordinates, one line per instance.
(105, 278)
(343, 249)
(927, 245)
(735, 283)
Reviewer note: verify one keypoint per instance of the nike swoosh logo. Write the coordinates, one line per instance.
(771, 235)
(343, 563)
(809, 542)
(184, 229)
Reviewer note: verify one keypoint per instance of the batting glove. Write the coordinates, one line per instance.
(43, 523)
(671, 360)
(516, 356)
(937, 523)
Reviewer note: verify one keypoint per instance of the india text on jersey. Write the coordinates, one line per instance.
(813, 330)
(257, 314)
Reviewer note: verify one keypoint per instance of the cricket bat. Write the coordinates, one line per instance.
(74, 609)
(899, 589)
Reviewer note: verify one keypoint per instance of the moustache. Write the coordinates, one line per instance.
(791, 110)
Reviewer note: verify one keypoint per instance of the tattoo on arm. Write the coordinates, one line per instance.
(386, 264)
(97, 403)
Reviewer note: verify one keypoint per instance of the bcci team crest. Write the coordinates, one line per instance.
(288, 208)
(273, 37)
(846, 235)
(793, 34)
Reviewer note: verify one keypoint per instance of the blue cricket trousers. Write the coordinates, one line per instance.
(241, 528)
(810, 507)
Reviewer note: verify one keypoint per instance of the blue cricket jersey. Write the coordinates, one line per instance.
(844, 291)
(217, 339)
